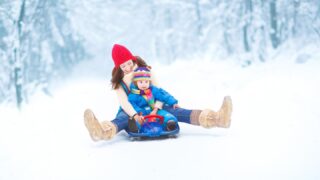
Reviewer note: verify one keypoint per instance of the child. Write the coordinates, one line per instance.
(143, 96)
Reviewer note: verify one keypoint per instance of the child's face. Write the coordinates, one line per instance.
(143, 84)
(127, 67)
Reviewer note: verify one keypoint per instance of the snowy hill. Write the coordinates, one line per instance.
(274, 132)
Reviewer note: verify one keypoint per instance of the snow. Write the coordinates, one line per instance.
(274, 132)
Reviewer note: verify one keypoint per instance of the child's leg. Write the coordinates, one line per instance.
(170, 121)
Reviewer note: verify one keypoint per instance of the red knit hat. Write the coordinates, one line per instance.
(121, 54)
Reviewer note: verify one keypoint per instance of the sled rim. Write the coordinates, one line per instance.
(163, 133)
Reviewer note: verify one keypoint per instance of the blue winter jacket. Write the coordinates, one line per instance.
(141, 105)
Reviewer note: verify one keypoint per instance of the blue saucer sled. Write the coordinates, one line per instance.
(152, 128)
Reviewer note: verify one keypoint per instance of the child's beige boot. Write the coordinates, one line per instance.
(98, 131)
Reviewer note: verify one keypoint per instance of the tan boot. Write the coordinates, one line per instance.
(98, 131)
(222, 118)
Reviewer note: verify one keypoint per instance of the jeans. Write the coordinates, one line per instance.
(121, 120)
(183, 115)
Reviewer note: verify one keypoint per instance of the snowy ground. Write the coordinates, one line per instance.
(274, 132)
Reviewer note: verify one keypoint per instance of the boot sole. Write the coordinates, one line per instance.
(92, 125)
(227, 109)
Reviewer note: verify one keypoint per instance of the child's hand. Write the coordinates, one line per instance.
(154, 111)
(175, 106)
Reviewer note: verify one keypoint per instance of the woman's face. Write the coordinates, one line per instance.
(127, 67)
(143, 84)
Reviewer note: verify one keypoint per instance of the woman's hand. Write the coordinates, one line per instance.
(154, 111)
(139, 118)
(175, 106)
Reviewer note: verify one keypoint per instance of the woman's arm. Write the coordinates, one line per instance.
(124, 103)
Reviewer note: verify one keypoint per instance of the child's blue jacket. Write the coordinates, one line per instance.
(140, 104)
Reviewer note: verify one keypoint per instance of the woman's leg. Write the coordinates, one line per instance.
(183, 115)
(206, 118)
(105, 130)
(121, 120)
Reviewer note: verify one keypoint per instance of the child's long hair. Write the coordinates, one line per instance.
(117, 73)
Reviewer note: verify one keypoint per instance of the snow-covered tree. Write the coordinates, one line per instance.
(39, 38)
(39, 45)
(179, 29)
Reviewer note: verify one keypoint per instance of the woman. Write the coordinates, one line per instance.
(122, 75)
